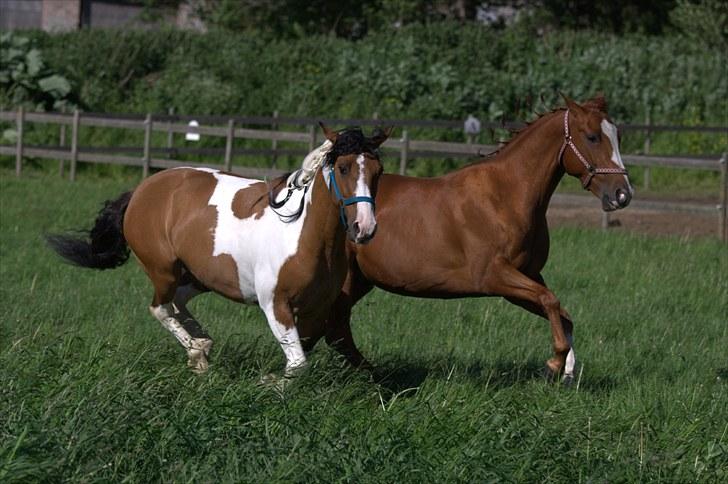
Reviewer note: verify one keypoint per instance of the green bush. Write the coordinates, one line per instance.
(435, 71)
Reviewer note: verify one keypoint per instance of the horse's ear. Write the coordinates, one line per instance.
(330, 135)
(380, 136)
(572, 105)
(598, 102)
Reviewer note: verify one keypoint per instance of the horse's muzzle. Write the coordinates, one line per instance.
(620, 199)
(360, 236)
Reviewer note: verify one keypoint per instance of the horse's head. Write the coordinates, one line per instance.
(351, 171)
(591, 152)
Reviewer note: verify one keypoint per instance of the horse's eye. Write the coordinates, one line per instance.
(344, 169)
(592, 138)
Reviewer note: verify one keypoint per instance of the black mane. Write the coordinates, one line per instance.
(350, 141)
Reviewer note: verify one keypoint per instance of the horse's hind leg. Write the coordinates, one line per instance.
(200, 343)
(169, 307)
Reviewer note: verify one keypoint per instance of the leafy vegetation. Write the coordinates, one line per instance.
(26, 79)
(94, 390)
(434, 71)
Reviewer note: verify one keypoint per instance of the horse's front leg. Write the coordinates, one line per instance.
(568, 326)
(338, 332)
(505, 280)
(282, 324)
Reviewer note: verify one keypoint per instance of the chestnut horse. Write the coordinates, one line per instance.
(481, 230)
(195, 230)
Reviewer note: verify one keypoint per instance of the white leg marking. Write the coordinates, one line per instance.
(288, 339)
(364, 211)
(197, 348)
(610, 131)
(570, 358)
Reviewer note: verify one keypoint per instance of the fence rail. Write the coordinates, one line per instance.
(408, 148)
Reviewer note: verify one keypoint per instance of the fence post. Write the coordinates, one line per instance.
(62, 144)
(312, 138)
(19, 121)
(74, 144)
(723, 222)
(404, 153)
(274, 143)
(147, 145)
(605, 220)
(170, 133)
(646, 149)
(229, 144)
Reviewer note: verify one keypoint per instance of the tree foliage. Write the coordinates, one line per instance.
(703, 21)
(353, 19)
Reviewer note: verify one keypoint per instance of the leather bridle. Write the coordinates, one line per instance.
(591, 170)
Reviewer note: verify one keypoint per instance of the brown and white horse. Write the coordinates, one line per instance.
(481, 230)
(195, 230)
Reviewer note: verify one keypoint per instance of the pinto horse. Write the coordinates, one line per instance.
(195, 230)
(481, 230)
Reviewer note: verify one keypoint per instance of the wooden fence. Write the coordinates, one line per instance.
(408, 148)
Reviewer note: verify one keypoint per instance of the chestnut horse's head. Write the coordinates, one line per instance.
(591, 153)
(351, 171)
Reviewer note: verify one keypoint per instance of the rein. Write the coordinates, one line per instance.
(343, 202)
(591, 169)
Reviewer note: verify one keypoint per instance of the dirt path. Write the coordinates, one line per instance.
(650, 222)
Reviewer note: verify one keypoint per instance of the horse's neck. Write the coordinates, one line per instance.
(322, 230)
(530, 164)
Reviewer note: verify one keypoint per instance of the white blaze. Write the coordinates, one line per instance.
(364, 211)
(610, 131)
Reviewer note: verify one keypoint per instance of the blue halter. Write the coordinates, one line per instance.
(343, 202)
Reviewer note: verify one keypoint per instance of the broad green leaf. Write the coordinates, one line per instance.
(34, 62)
(55, 83)
(19, 41)
(11, 54)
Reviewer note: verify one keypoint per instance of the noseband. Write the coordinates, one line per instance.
(591, 170)
(343, 202)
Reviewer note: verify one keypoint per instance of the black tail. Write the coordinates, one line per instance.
(105, 246)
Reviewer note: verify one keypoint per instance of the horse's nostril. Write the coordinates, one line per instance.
(623, 198)
(356, 228)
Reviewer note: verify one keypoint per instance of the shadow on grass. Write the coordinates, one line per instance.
(245, 357)
(251, 358)
(399, 376)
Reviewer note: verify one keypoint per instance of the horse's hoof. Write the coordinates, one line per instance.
(567, 380)
(553, 369)
(293, 371)
(197, 355)
(548, 374)
(197, 361)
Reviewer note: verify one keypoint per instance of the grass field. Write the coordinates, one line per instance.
(94, 390)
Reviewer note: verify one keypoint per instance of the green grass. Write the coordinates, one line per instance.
(94, 390)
